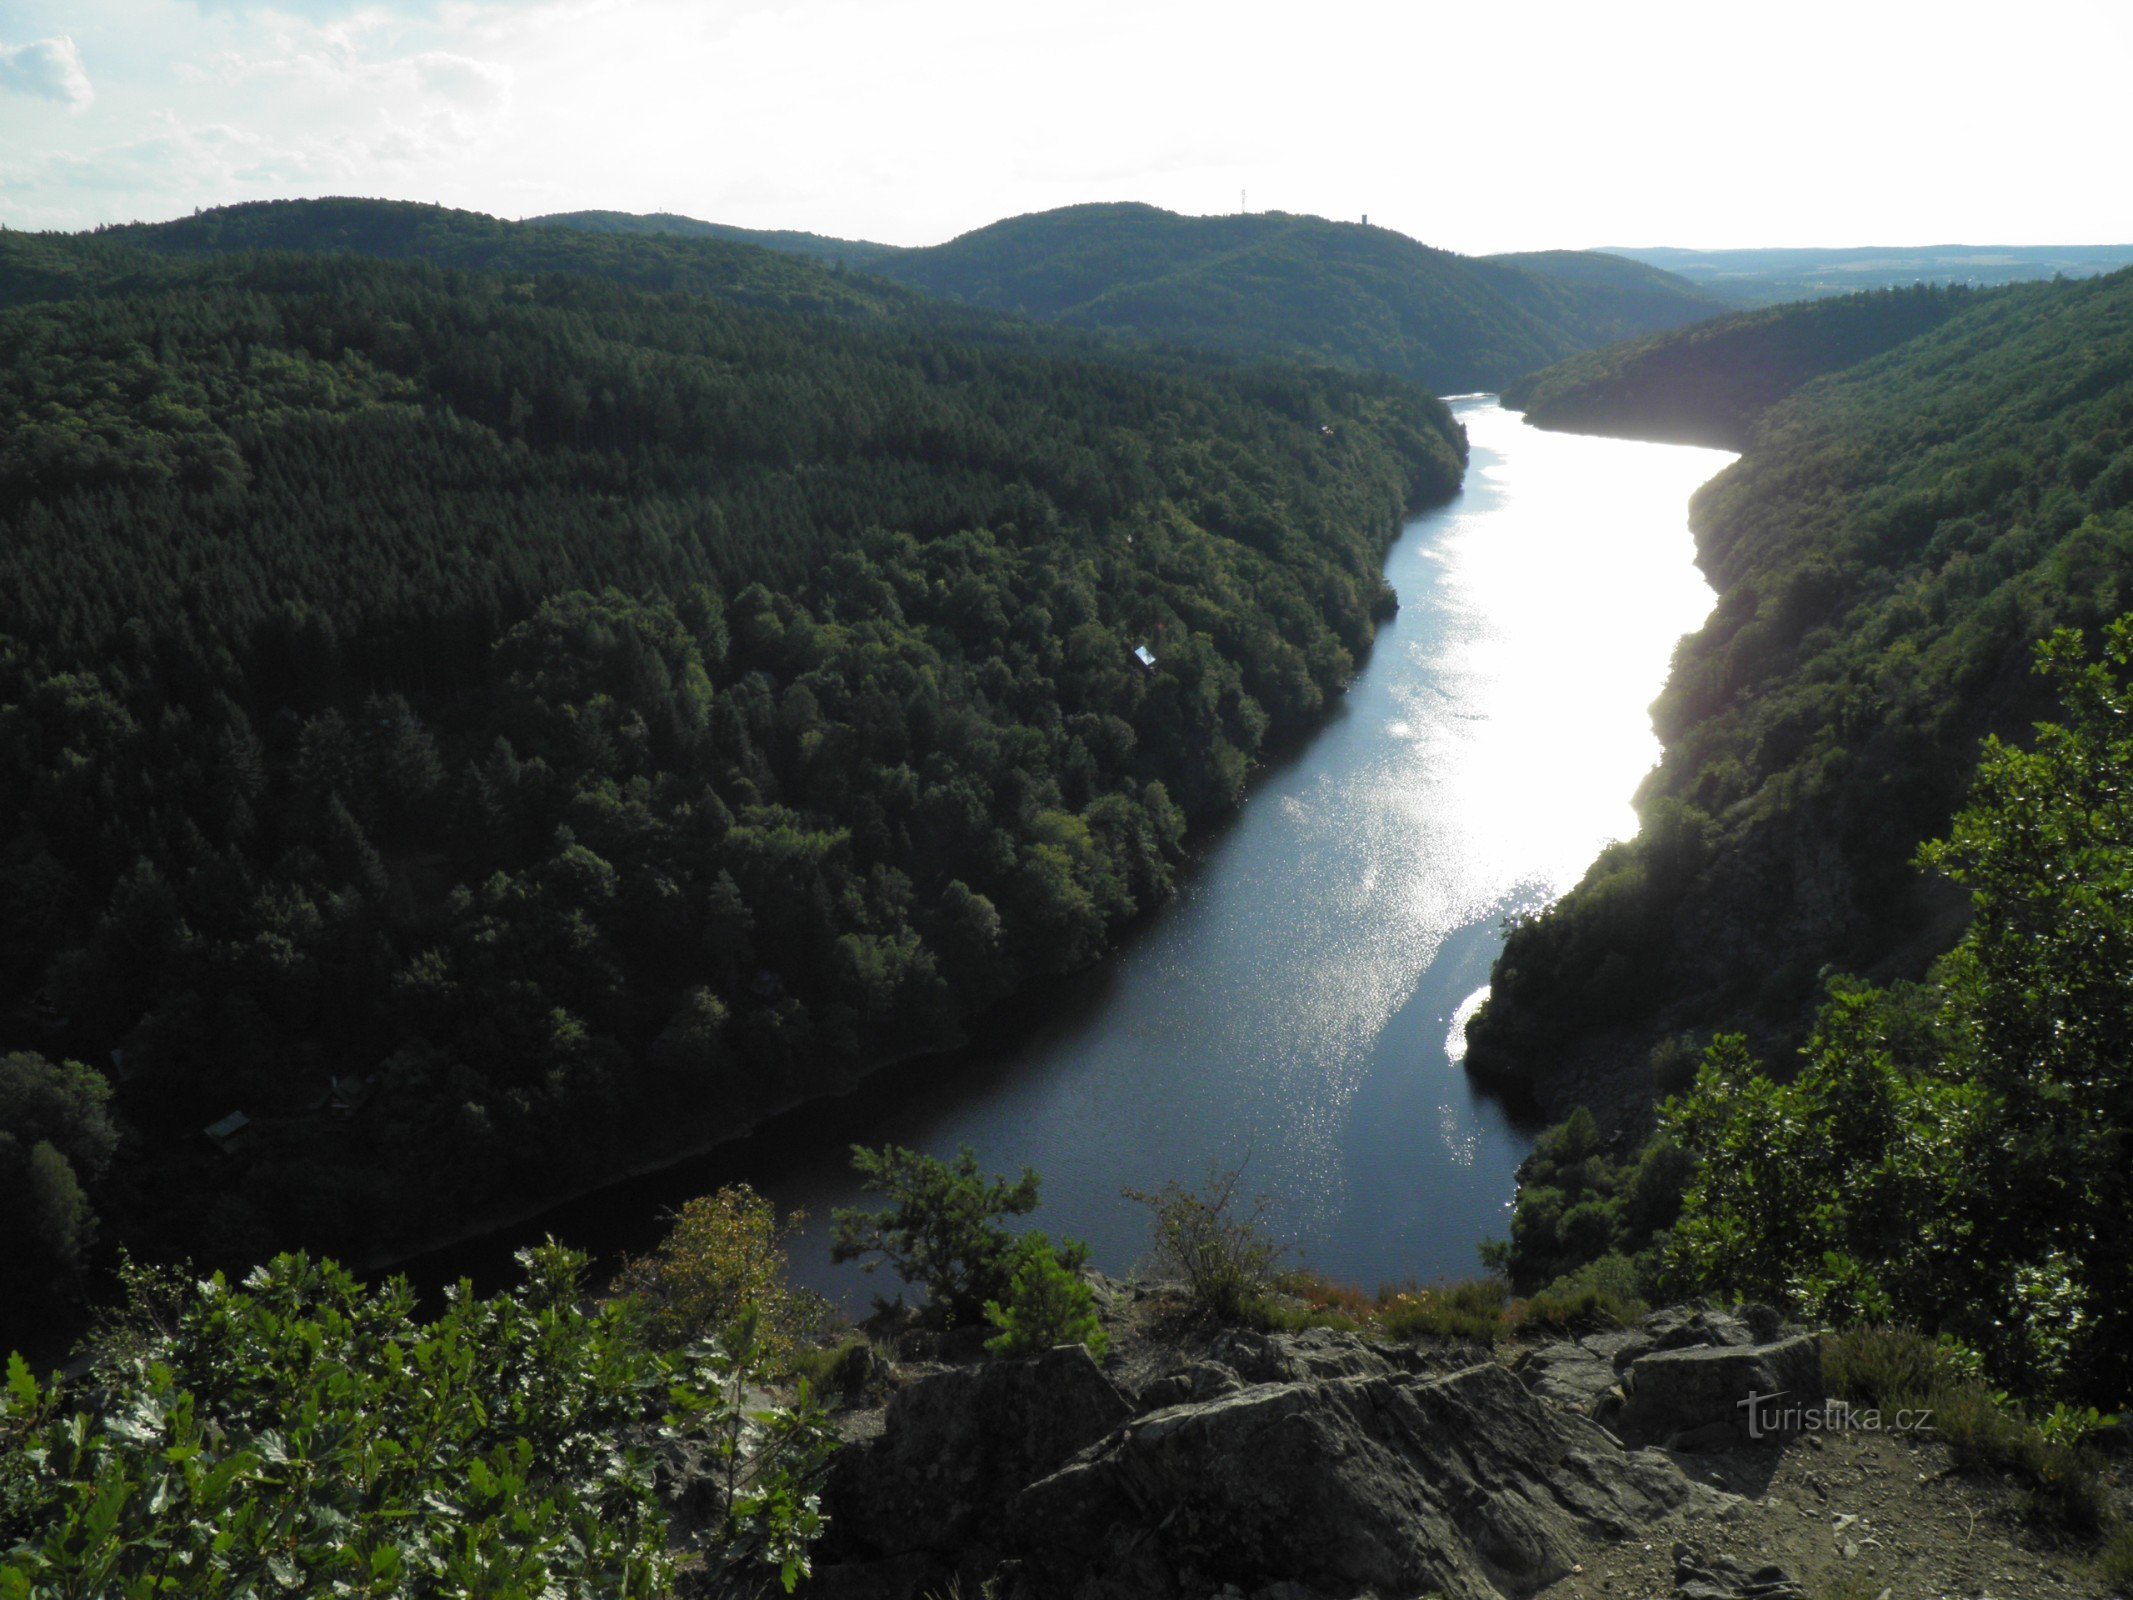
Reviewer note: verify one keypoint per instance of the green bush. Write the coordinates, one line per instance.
(1047, 1305)
(304, 1433)
(1575, 1310)
(941, 1229)
(722, 1259)
(1471, 1310)
(1215, 1244)
(1891, 1369)
(2114, 1562)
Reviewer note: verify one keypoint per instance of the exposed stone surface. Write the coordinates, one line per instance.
(1458, 1484)
(958, 1444)
(1696, 1398)
(1701, 1577)
(1311, 1463)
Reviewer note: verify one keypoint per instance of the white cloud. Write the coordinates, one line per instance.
(48, 68)
(473, 85)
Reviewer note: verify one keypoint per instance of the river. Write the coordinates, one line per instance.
(1297, 1008)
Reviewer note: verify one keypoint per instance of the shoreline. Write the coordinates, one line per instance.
(1019, 1013)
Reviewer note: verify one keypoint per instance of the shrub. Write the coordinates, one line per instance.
(846, 1368)
(304, 1433)
(723, 1258)
(941, 1229)
(1899, 1368)
(2114, 1562)
(1471, 1311)
(1047, 1305)
(1220, 1249)
(1574, 1310)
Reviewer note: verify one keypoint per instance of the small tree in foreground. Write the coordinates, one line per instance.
(1217, 1245)
(723, 1261)
(1047, 1305)
(941, 1229)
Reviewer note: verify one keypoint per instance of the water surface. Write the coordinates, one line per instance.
(1296, 1009)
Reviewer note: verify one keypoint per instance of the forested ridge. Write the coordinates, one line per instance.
(1870, 957)
(1710, 383)
(481, 725)
(1271, 283)
(1893, 543)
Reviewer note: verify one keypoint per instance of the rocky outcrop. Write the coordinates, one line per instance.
(1701, 1577)
(1458, 1484)
(1720, 1396)
(1684, 1379)
(1291, 1466)
(957, 1445)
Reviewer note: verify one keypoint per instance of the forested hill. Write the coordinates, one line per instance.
(1887, 553)
(820, 247)
(1709, 384)
(1271, 283)
(395, 230)
(478, 729)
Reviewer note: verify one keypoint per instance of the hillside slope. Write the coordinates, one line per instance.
(858, 253)
(1709, 384)
(397, 230)
(1267, 283)
(486, 730)
(1886, 553)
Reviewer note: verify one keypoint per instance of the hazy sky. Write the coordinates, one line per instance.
(1478, 126)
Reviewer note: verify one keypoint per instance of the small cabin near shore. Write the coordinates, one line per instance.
(230, 1133)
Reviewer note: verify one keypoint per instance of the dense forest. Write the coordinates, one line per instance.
(1887, 552)
(1709, 384)
(465, 730)
(1268, 283)
(858, 253)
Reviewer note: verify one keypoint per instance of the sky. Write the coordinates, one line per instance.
(1490, 125)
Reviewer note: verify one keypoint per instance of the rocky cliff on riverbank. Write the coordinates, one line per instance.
(1314, 1464)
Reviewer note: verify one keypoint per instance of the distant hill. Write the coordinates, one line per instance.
(1767, 277)
(399, 230)
(1274, 283)
(1709, 383)
(1269, 283)
(815, 246)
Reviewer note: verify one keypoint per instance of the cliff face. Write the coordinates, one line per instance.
(1291, 1464)
(1326, 1465)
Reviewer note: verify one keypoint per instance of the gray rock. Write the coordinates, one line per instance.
(1618, 1348)
(1199, 1380)
(957, 1445)
(1460, 1484)
(1701, 1577)
(1566, 1375)
(1685, 1328)
(1302, 1357)
(1697, 1398)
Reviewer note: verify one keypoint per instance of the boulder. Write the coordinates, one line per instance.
(1566, 1374)
(1699, 1398)
(955, 1446)
(1198, 1380)
(1461, 1484)
(1701, 1577)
